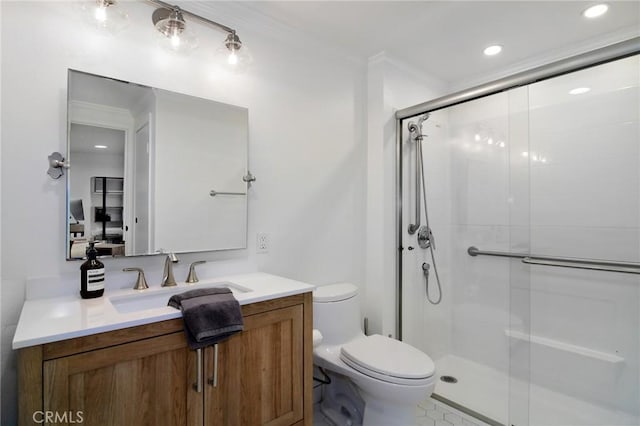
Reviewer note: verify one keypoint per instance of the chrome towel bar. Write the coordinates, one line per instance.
(563, 262)
(213, 193)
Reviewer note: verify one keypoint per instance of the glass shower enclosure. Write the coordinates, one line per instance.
(533, 196)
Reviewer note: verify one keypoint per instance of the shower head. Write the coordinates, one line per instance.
(424, 118)
(416, 128)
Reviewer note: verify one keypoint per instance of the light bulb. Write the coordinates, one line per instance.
(101, 14)
(233, 58)
(490, 141)
(175, 41)
(477, 137)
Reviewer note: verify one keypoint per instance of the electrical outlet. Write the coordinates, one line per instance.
(262, 243)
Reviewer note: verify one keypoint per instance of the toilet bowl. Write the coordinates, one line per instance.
(390, 376)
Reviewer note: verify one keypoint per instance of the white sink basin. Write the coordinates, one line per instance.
(158, 298)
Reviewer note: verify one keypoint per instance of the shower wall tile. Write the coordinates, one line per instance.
(589, 111)
(589, 242)
(590, 178)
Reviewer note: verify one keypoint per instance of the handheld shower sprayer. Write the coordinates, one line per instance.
(425, 234)
(416, 128)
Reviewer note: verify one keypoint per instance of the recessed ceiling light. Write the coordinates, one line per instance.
(100, 146)
(579, 90)
(493, 50)
(595, 11)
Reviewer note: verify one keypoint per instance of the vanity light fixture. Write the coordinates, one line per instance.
(595, 11)
(106, 15)
(100, 146)
(172, 29)
(170, 22)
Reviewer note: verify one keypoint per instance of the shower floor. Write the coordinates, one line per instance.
(486, 390)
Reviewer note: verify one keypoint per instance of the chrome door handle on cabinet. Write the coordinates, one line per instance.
(214, 380)
(198, 385)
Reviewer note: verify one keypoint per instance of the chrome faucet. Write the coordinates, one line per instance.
(192, 278)
(141, 282)
(168, 280)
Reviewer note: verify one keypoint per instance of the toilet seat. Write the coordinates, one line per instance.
(388, 360)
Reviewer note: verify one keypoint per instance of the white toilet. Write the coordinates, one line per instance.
(391, 377)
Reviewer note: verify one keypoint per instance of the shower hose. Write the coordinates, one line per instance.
(426, 217)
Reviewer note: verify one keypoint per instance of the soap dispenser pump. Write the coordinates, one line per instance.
(92, 275)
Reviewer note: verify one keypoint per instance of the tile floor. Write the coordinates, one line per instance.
(428, 413)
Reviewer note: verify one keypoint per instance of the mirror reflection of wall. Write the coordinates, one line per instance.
(150, 190)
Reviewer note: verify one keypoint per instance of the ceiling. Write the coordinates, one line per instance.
(446, 38)
(84, 138)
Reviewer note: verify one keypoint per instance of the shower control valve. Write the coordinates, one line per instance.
(425, 238)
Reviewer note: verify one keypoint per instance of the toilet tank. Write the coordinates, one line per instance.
(336, 313)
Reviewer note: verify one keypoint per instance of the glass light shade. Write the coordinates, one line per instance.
(107, 15)
(173, 34)
(235, 60)
(180, 42)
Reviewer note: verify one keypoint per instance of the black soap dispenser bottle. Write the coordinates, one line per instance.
(91, 275)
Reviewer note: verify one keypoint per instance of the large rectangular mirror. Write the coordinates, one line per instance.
(153, 171)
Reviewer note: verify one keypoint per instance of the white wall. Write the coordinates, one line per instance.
(306, 147)
(391, 85)
(4, 353)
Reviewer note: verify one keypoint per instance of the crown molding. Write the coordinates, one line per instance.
(246, 19)
(415, 73)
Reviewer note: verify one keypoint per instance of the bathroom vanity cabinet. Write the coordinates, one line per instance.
(148, 375)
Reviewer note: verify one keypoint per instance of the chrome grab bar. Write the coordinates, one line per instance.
(213, 193)
(563, 262)
(413, 227)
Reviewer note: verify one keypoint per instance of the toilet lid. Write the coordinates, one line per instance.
(334, 292)
(388, 357)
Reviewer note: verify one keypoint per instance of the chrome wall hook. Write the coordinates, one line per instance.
(57, 165)
(249, 177)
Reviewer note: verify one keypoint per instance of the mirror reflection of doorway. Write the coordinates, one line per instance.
(97, 186)
(141, 220)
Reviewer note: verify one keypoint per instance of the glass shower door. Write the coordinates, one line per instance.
(584, 160)
(477, 194)
(548, 169)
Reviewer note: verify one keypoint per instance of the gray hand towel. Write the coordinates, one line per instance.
(210, 315)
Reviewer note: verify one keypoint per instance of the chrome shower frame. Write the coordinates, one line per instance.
(585, 60)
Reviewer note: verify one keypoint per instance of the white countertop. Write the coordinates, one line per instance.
(54, 319)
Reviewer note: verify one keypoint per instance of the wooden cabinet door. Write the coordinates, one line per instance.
(147, 382)
(259, 378)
